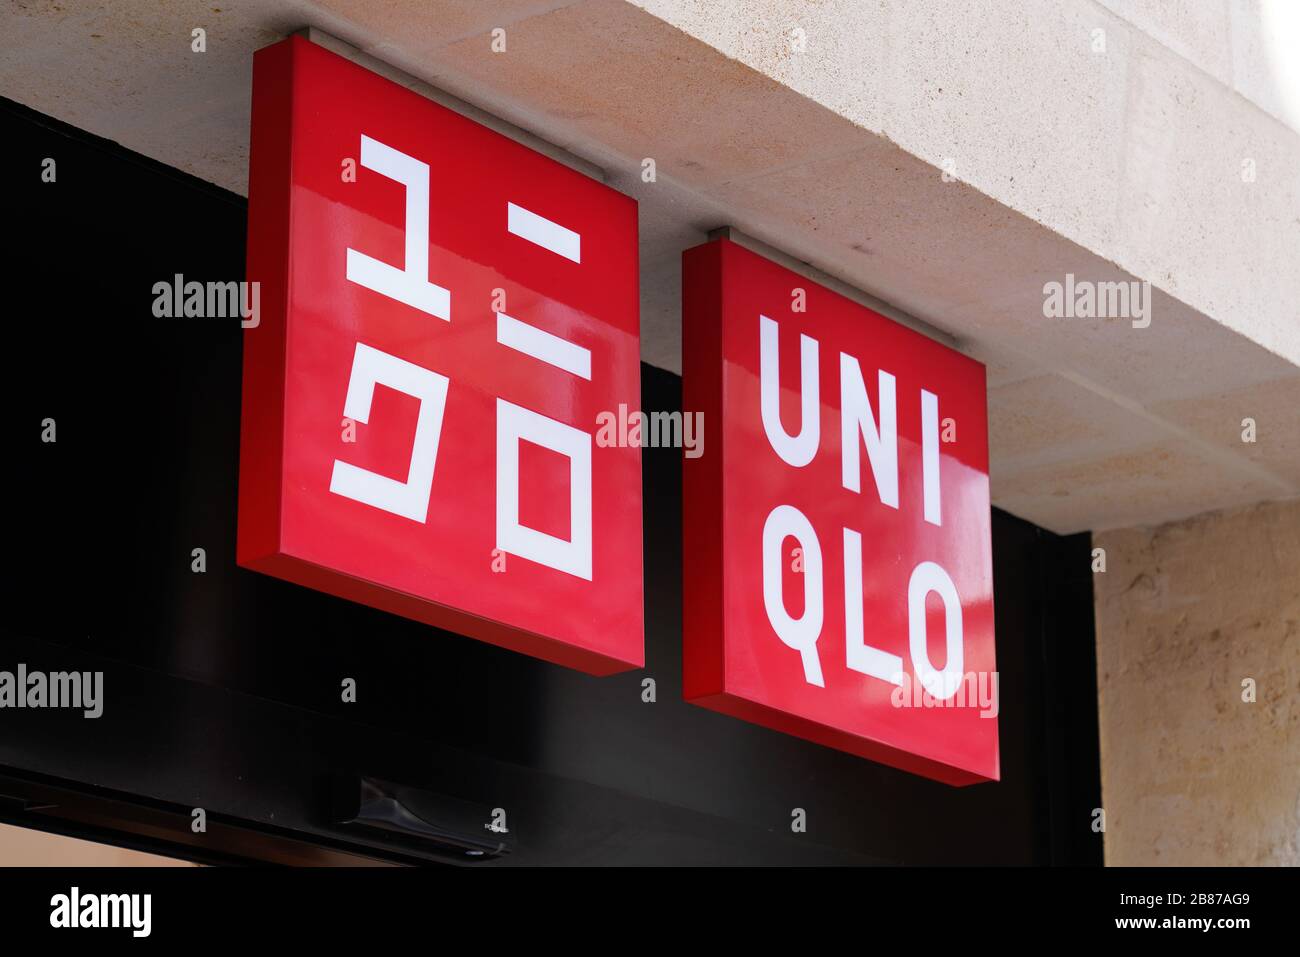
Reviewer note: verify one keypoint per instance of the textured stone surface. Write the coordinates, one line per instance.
(1191, 774)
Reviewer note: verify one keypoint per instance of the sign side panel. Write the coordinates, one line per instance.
(702, 559)
(261, 444)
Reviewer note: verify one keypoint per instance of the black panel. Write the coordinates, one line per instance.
(223, 688)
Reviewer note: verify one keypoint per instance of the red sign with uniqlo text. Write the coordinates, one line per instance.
(445, 313)
(838, 580)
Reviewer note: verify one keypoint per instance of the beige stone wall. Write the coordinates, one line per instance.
(22, 847)
(1192, 774)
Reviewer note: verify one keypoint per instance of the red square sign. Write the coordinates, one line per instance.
(838, 569)
(444, 314)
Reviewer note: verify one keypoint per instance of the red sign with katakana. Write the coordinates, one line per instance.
(445, 313)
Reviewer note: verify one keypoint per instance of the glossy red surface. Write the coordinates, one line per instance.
(440, 562)
(735, 661)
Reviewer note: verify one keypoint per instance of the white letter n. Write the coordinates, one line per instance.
(881, 438)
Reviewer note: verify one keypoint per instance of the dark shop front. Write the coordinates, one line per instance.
(245, 717)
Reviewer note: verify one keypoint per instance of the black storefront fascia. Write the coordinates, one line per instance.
(222, 688)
